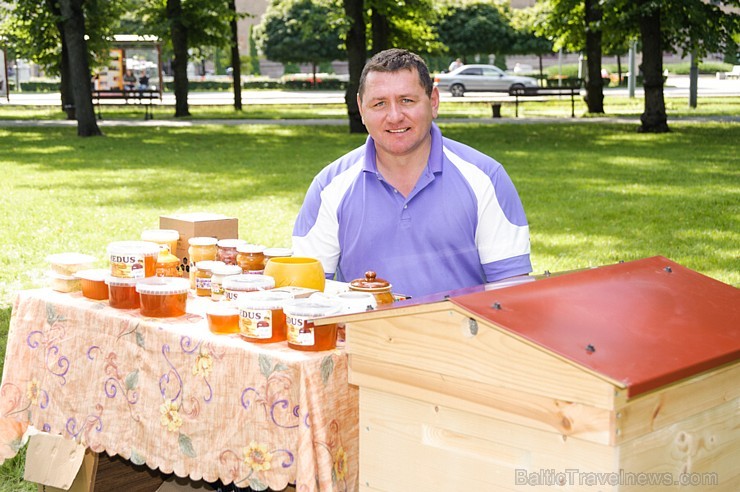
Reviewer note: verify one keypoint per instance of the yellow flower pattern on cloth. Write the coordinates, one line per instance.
(340, 464)
(170, 416)
(257, 457)
(203, 365)
(33, 390)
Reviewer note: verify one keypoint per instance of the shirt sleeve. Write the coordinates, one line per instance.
(316, 229)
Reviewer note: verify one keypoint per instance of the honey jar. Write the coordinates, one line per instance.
(303, 334)
(133, 259)
(93, 283)
(168, 265)
(163, 297)
(235, 285)
(203, 274)
(378, 287)
(223, 317)
(163, 237)
(200, 249)
(251, 257)
(219, 273)
(122, 292)
(227, 250)
(261, 316)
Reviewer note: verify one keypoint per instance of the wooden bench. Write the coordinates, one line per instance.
(542, 92)
(116, 96)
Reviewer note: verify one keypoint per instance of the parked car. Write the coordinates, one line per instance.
(480, 78)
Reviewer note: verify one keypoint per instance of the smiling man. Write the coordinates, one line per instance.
(427, 213)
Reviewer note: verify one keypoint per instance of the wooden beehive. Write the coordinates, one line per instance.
(624, 377)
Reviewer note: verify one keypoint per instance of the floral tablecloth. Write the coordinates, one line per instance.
(170, 394)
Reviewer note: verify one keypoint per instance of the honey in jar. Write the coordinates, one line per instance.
(163, 297)
(251, 258)
(219, 273)
(122, 292)
(133, 259)
(203, 274)
(223, 318)
(93, 283)
(164, 237)
(261, 316)
(303, 333)
(168, 265)
(227, 250)
(200, 249)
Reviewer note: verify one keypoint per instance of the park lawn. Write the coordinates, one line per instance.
(594, 193)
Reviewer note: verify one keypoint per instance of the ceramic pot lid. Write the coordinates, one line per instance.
(370, 283)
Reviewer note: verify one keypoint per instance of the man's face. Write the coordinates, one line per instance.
(397, 112)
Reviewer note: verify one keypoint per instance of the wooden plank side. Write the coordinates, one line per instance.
(574, 420)
(647, 413)
(706, 446)
(441, 343)
(409, 445)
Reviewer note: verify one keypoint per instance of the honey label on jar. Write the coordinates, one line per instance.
(300, 331)
(255, 323)
(127, 266)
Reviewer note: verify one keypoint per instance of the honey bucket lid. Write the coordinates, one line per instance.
(144, 248)
(163, 285)
(312, 307)
(248, 281)
(264, 299)
(70, 259)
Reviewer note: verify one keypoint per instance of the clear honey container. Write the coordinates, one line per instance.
(261, 316)
(133, 259)
(236, 285)
(163, 297)
(303, 333)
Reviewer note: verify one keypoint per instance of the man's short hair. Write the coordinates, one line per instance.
(394, 60)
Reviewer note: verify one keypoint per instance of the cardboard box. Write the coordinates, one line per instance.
(198, 225)
(57, 464)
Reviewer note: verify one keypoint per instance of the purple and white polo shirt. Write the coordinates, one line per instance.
(462, 225)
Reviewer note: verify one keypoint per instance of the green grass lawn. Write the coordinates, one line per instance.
(595, 194)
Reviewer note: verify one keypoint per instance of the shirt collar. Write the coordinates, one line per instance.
(436, 155)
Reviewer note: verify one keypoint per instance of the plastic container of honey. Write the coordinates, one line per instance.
(303, 334)
(223, 317)
(236, 285)
(218, 274)
(168, 265)
(261, 316)
(93, 283)
(251, 257)
(165, 237)
(122, 292)
(133, 259)
(63, 283)
(69, 263)
(227, 250)
(163, 297)
(201, 248)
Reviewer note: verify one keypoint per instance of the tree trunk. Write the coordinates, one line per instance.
(594, 82)
(619, 69)
(313, 68)
(65, 86)
(356, 57)
(179, 35)
(236, 63)
(654, 119)
(381, 31)
(73, 20)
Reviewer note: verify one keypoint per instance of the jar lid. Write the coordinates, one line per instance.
(312, 307)
(225, 269)
(94, 274)
(250, 248)
(155, 235)
(230, 243)
(121, 281)
(264, 299)
(163, 285)
(208, 265)
(143, 248)
(246, 282)
(202, 241)
(70, 259)
(274, 252)
(370, 283)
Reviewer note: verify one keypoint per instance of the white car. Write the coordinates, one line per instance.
(481, 78)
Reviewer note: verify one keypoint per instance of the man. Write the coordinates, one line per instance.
(425, 212)
(456, 63)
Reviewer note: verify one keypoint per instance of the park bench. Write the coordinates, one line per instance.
(734, 73)
(541, 93)
(117, 96)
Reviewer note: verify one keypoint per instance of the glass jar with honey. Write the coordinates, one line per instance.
(227, 250)
(200, 249)
(203, 274)
(251, 257)
(219, 273)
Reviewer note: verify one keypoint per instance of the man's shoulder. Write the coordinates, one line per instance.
(347, 167)
(462, 154)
